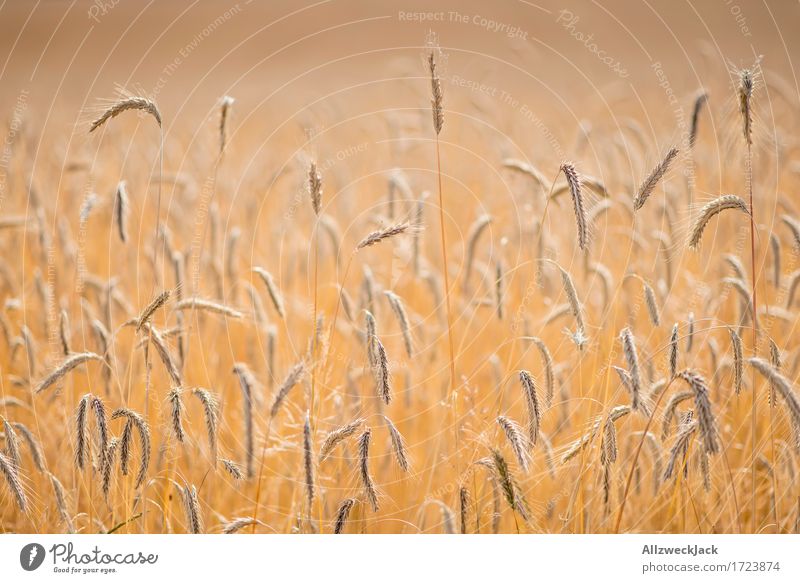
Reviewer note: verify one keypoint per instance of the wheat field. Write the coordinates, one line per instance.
(440, 295)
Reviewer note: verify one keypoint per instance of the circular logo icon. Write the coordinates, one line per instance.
(31, 556)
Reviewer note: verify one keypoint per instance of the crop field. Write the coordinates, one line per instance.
(347, 268)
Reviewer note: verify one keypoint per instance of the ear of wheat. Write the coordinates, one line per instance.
(650, 183)
(578, 204)
(709, 211)
(132, 103)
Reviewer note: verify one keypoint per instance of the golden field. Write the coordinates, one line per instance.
(266, 269)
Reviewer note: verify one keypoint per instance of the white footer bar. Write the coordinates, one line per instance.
(405, 558)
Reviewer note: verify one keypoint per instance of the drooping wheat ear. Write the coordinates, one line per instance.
(737, 266)
(744, 293)
(108, 466)
(532, 402)
(104, 341)
(363, 465)
(673, 352)
(61, 504)
(315, 187)
(338, 435)
(576, 192)
(738, 360)
(652, 306)
(233, 469)
(101, 423)
(81, 434)
(475, 231)
(69, 364)
(12, 444)
(775, 245)
(782, 385)
(775, 361)
(527, 169)
(380, 371)
(237, 524)
(516, 439)
(710, 210)
(383, 234)
(157, 340)
(121, 211)
(608, 445)
(705, 416)
(208, 306)
(176, 407)
(292, 378)
(794, 227)
(398, 445)
(631, 357)
(436, 94)
(64, 332)
(650, 183)
(11, 474)
(247, 383)
(669, 411)
(402, 319)
(572, 297)
(191, 506)
(211, 410)
(225, 105)
(342, 514)
(151, 308)
(549, 376)
(604, 273)
(125, 447)
(679, 448)
(126, 104)
(499, 288)
(624, 378)
(308, 462)
(463, 508)
(507, 484)
(272, 290)
(144, 440)
(33, 444)
(699, 101)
